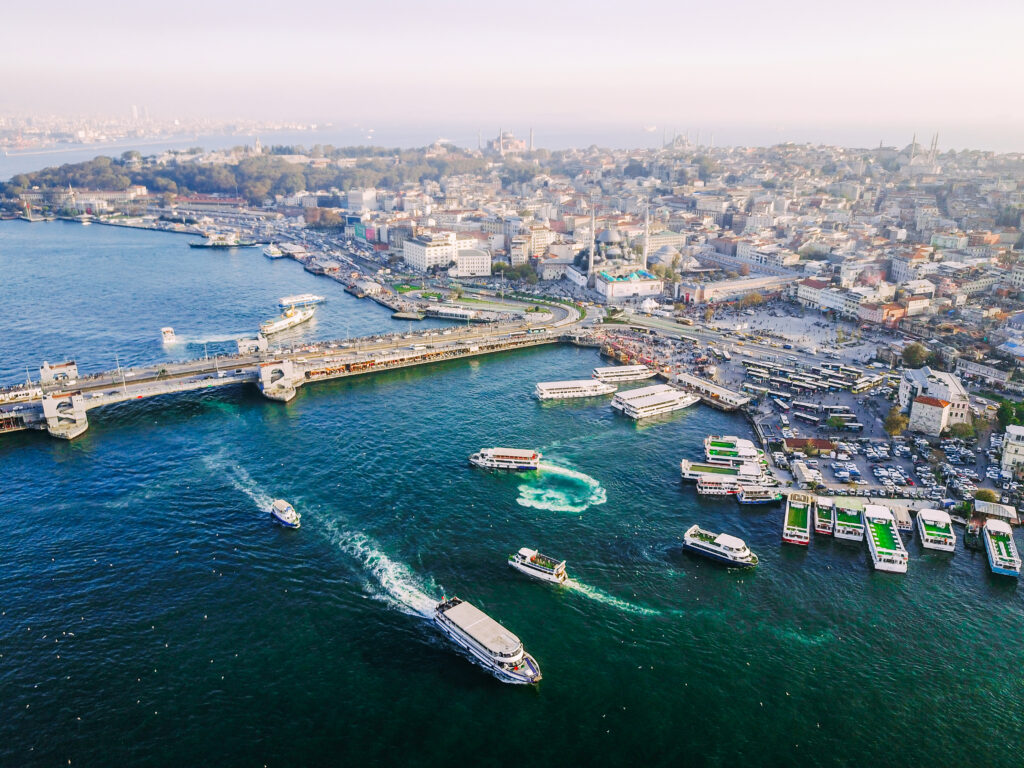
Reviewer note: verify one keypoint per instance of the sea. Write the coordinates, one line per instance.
(152, 614)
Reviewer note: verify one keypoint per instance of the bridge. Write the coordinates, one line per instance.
(60, 401)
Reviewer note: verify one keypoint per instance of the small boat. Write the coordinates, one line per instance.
(1003, 558)
(167, 334)
(533, 563)
(285, 514)
(719, 546)
(490, 644)
(758, 494)
(300, 300)
(511, 459)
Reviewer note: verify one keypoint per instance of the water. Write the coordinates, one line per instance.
(152, 614)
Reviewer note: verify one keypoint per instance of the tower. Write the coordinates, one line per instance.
(593, 241)
(531, 139)
(647, 228)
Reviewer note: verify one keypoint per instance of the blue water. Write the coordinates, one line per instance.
(152, 615)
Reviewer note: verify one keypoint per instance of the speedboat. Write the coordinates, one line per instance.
(285, 514)
(533, 563)
(719, 546)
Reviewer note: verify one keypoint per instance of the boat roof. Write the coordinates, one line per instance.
(999, 526)
(513, 452)
(483, 629)
(643, 392)
(623, 368)
(281, 504)
(877, 510)
(732, 542)
(527, 552)
(935, 515)
(570, 383)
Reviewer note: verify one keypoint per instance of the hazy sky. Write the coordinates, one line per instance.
(679, 63)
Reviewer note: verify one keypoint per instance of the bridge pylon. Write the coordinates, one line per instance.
(65, 415)
(278, 380)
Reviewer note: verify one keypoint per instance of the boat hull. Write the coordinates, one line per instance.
(560, 578)
(503, 468)
(530, 669)
(998, 570)
(285, 523)
(716, 557)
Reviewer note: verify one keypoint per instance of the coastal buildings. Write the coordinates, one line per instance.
(937, 386)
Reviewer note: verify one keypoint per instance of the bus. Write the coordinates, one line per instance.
(758, 375)
(809, 407)
(814, 421)
(784, 420)
(754, 389)
(783, 405)
(852, 426)
(846, 418)
(829, 410)
(835, 385)
(775, 394)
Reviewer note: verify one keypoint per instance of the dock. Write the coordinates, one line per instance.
(711, 393)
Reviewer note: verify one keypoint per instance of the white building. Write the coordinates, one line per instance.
(939, 385)
(929, 415)
(1013, 448)
(432, 250)
(362, 199)
(635, 284)
(471, 262)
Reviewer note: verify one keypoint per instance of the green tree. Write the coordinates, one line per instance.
(835, 422)
(914, 355)
(986, 494)
(1005, 414)
(962, 430)
(895, 422)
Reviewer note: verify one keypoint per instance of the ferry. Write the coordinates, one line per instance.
(935, 528)
(533, 563)
(758, 494)
(650, 401)
(493, 646)
(745, 474)
(1000, 548)
(717, 485)
(824, 516)
(848, 522)
(167, 335)
(884, 542)
(288, 319)
(719, 546)
(565, 390)
(731, 450)
(300, 300)
(285, 514)
(511, 459)
(797, 524)
(623, 373)
(273, 252)
(229, 240)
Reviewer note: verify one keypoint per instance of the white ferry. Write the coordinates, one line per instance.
(717, 485)
(617, 373)
(506, 458)
(273, 252)
(824, 515)
(300, 300)
(758, 494)
(1003, 558)
(285, 514)
(884, 542)
(493, 646)
(719, 546)
(731, 450)
(650, 401)
(745, 474)
(935, 528)
(848, 522)
(167, 334)
(288, 319)
(222, 240)
(564, 390)
(533, 563)
(796, 526)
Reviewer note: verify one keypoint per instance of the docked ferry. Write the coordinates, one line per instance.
(848, 522)
(719, 546)
(745, 474)
(935, 527)
(617, 373)
(565, 390)
(731, 450)
(533, 563)
(229, 240)
(758, 494)
(285, 514)
(511, 459)
(796, 528)
(300, 300)
(717, 485)
(650, 401)
(493, 646)
(824, 515)
(884, 542)
(1003, 558)
(288, 319)
(273, 252)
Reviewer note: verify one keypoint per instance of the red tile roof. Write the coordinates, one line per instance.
(933, 401)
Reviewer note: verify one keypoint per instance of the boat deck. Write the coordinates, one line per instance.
(1003, 546)
(939, 531)
(796, 516)
(883, 536)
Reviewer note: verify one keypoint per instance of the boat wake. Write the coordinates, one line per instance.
(219, 338)
(242, 481)
(393, 582)
(560, 489)
(603, 597)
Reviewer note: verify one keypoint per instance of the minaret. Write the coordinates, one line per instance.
(593, 241)
(913, 149)
(531, 139)
(647, 228)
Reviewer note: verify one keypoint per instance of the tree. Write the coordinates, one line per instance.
(744, 270)
(835, 422)
(963, 430)
(1005, 414)
(914, 355)
(709, 313)
(895, 422)
(986, 494)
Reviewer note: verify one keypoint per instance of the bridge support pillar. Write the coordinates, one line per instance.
(65, 415)
(278, 380)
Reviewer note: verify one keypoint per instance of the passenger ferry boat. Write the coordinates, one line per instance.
(719, 546)
(731, 450)
(533, 563)
(824, 515)
(273, 252)
(288, 319)
(745, 474)
(884, 542)
(1003, 558)
(167, 334)
(796, 527)
(717, 485)
(758, 494)
(617, 373)
(565, 390)
(285, 514)
(493, 646)
(848, 522)
(228, 240)
(650, 401)
(935, 527)
(511, 459)
(300, 300)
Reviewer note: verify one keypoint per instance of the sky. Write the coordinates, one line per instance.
(789, 66)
